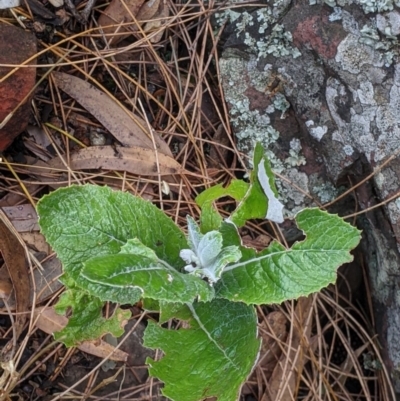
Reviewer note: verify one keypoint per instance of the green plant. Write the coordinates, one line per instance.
(120, 248)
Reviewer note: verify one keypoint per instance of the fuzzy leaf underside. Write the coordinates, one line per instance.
(82, 222)
(87, 321)
(211, 358)
(278, 274)
(125, 278)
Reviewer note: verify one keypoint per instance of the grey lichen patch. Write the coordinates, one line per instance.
(377, 6)
(368, 6)
(365, 91)
(325, 192)
(253, 125)
(379, 33)
(296, 157)
(387, 183)
(280, 7)
(394, 210)
(348, 150)
(245, 21)
(304, 84)
(278, 43)
(371, 129)
(316, 132)
(354, 62)
(365, 109)
(250, 126)
(228, 15)
(266, 16)
(294, 199)
(337, 14)
(281, 103)
(389, 24)
(385, 41)
(270, 37)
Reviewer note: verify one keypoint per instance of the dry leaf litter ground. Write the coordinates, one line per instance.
(137, 105)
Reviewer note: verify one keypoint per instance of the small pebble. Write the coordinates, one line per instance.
(97, 139)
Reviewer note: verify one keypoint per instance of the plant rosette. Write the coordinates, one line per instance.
(117, 247)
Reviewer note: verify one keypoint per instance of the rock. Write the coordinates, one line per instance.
(319, 87)
(16, 46)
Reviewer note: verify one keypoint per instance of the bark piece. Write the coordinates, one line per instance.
(15, 257)
(15, 90)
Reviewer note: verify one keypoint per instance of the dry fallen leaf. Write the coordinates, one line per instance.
(148, 10)
(38, 134)
(22, 217)
(115, 14)
(49, 321)
(16, 196)
(46, 280)
(132, 160)
(259, 243)
(129, 129)
(9, 4)
(156, 22)
(5, 288)
(56, 3)
(348, 366)
(36, 241)
(25, 220)
(15, 258)
(45, 284)
(273, 332)
(283, 383)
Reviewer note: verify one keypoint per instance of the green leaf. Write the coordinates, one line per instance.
(87, 321)
(82, 222)
(150, 305)
(171, 310)
(260, 201)
(125, 278)
(230, 234)
(211, 358)
(135, 247)
(278, 274)
(236, 189)
(210, 219)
